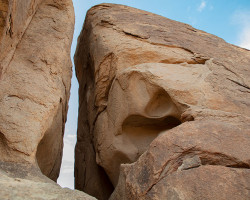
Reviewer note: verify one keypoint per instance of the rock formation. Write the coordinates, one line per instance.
(25, 182)
(35, 75)
(164, 110)
(35, 82)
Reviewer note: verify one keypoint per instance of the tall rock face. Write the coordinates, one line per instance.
(35, 76)
(164, 109)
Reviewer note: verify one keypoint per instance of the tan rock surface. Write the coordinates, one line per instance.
(26, 182)
(143, 78)
(203, 159)
(35, 75)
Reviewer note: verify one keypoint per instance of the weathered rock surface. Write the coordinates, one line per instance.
(35, 75)
(203, 159)
(171, 100)
(26, 182)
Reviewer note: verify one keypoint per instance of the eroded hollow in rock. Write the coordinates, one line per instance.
(138, 110)
(141, 131)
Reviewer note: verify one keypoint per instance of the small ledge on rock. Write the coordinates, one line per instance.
(190, 163)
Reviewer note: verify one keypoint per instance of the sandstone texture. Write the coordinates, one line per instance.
(25, 182)
(35, 75)
(164, 109)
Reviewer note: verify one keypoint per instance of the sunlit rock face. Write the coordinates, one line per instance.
(35, 75)
(163, 109)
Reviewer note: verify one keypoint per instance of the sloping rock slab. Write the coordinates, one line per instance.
(26, 182)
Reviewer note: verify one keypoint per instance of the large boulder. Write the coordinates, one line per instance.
(203, 159)
(35, 76)
(164, 110)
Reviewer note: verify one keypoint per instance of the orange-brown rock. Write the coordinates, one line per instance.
(167, 102)
(35, 75)
(204, 159)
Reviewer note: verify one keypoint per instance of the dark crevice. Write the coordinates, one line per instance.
(191, 167)
(135, 35)
(240, 84)
(3, 139)
(239, 166)
(57, 6)
(106, 24)
(102, 188)
(165, 123)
